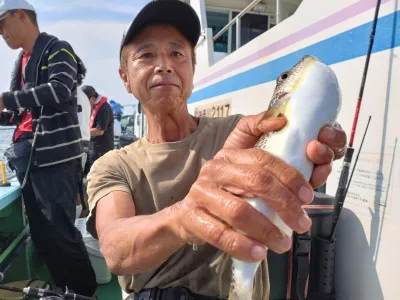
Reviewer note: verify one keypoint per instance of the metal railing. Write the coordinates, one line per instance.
(237, 21)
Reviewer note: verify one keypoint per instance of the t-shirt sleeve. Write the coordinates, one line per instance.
(103, 118)
(106, 175)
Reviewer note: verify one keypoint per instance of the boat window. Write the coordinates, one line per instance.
(256, 18)
(216, 20)
(252, 26)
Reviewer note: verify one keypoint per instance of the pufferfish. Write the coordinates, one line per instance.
(309, 97)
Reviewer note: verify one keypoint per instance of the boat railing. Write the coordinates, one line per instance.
(236, 21)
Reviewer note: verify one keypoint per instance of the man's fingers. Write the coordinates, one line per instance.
(278, 169)
(319, 153)
(271, 124)
(335, 138)
(239, 214)
(205, 227)
(250, 128)
(320, 175)
(253, 181)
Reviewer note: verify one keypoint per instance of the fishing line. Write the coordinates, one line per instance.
(358, 154)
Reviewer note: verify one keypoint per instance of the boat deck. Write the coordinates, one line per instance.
(109, 290)
(18, 258)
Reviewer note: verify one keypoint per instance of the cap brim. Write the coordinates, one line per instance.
(176, 13)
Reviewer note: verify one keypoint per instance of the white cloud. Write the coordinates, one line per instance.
(118, 6)
(96, 39)
(97, 43)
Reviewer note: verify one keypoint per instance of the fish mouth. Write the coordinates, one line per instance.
(280, 96)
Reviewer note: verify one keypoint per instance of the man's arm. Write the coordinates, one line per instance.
(130, 244)
(62, 70)
(134, 244)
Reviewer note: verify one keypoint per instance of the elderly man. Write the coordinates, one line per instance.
(181, 185)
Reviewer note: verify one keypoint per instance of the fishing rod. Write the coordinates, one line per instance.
(344, 175)
(43, 294)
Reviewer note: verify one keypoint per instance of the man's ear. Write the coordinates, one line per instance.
(125, 80)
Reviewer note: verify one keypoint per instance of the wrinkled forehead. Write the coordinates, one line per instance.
(158, 34)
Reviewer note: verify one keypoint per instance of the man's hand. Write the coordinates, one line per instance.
(96, 132)
(214, 205)
(331, 144)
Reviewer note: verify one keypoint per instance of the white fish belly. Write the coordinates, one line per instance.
(314, 104)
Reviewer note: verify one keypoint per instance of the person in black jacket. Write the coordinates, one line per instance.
(42, 102)
(101, 124)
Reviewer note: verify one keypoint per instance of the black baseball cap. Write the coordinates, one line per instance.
(174, 12)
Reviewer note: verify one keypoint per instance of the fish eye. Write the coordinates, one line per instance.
(284, 76)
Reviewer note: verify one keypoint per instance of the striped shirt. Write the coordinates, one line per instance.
(50, 93)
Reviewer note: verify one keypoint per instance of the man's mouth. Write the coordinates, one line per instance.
(164, 84)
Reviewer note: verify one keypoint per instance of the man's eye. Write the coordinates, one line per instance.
(176, 53)
(146, 55)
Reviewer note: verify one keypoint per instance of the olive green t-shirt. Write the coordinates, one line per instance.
(157, 176)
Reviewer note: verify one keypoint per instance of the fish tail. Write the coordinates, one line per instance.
(242, 283)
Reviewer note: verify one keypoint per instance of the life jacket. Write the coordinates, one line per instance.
(307, 270)
(96, 110)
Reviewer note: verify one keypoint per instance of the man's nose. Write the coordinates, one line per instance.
(163, 64)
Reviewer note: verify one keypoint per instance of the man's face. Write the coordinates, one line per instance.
(92, 100)
(12, 29)
(159, 67)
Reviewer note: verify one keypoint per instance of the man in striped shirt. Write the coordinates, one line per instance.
(42, 102)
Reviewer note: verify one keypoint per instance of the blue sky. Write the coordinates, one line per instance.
(110, 10)
(94, 29)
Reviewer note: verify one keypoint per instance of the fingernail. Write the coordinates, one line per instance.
(330, 133)
(269, 122)
(306, 195)
(258, 252)
(322, 149)
(285, 243)
(304, 222)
